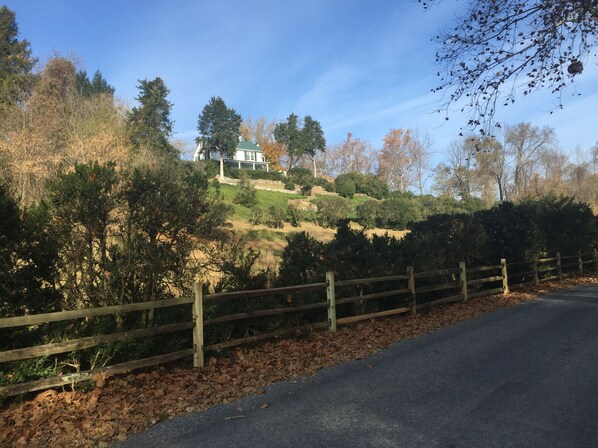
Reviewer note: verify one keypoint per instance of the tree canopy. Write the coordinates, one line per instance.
(16, 62)
(499, 48)
(300, 141)
(149, 124)
(97, 85)
(219, 129)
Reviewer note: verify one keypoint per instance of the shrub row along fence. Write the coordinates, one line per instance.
(345, 301)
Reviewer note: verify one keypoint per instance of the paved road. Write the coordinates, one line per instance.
(520, 377)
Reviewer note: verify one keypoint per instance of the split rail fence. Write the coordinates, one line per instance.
(400, 294)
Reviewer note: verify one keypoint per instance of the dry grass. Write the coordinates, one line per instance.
(272, 246)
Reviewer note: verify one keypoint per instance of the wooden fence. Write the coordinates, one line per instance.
(409, 293)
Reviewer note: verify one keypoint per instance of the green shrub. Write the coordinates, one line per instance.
(302, 261)
(372, 186)
(442, 241)
(367, 214)
(236, 173)
(247, 194)
(276, 217)
(256, 216)
(368, 184)
(331, 210)
(306, 189)
(28, 255)
(211, 168)
(396, 213)
(289, 184)
(345, 186)
(301, 176)
(293, 216)
(325, 184)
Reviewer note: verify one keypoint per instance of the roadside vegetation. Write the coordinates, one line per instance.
(97, 208)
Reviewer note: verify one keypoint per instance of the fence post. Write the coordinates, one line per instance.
(536, 275)
(411, 286)
(596, 260)
(505, 277)
(580, 262)
(463, 278)
(559, 269)
(331, 299)
(198, 358)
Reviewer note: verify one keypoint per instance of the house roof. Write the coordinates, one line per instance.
(249, 146)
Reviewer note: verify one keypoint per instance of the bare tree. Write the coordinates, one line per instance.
(524, 143)
(492, 163)
(553, 167)
(420, 154)
(395, 160)
(57, 127)
(353, 154)
(498, 48)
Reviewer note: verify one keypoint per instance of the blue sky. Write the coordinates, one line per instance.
(358, 66)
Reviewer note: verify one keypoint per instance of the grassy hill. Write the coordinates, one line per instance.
(271, 242)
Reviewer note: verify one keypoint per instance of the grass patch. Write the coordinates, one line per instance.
(267, 235)
(265, 199)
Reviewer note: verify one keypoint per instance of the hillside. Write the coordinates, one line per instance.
(271, 241)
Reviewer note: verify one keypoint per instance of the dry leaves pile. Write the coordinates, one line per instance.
(124, 405)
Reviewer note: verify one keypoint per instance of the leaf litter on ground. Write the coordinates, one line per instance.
(123, 405)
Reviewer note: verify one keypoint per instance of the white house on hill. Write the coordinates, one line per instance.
(247, 156)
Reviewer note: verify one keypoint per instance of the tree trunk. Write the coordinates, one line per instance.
(221, 166)
(315, 169)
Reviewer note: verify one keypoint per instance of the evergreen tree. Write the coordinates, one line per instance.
(304, 141)
(83, 83)
(100, 85)
(219, 129)
(149, 124)
(16, 79)
(97, 85)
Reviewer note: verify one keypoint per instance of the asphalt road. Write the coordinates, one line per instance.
(520, 377)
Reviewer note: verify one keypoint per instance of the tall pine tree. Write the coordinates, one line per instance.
(149, 124)
(16, 62)
(97, 85)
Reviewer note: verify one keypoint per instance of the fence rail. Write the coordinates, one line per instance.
(404, 297)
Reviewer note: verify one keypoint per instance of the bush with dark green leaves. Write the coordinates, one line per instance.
(396, 213)
(247, 194)
(306, 189)
(567, 225)
(301, 176)
(442, 241)
(293, 215)
(236, 173)
(28, 253)
(211, 168)
(106, 238)
(367, 184)
(331, 210)
(302, 261)
(325, 184)
(344, 185)
(367, 214)
(289, 184)
(372, 186)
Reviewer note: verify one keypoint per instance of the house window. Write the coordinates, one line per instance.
(250, 156)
